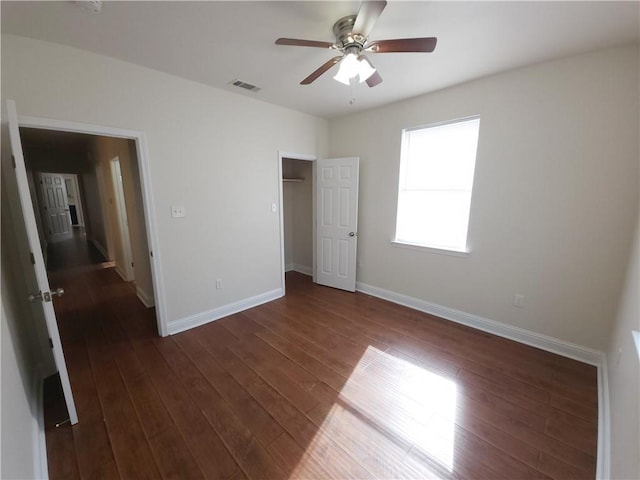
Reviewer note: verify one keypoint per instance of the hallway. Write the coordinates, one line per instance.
(77, 252)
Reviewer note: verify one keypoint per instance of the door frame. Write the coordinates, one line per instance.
(305, 157)
(140, 140)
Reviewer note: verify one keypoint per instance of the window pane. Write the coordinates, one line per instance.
(441, 157)
(437, 219)
(434, 197)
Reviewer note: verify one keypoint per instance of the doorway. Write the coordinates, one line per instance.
(334, 218)
(297, 198)
(297, 214)
(94, 196)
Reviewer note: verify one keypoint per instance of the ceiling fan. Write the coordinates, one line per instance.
(352, 39)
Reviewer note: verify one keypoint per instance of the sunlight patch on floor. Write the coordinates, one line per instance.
(388, 407)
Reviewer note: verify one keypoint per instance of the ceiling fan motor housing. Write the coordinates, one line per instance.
(345, 37)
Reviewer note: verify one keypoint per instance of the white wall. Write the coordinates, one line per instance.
(554, 202)
(213, 152)
(24, 354)
(624, 375)
(18, 452)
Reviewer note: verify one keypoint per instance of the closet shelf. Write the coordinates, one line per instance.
(293, 179)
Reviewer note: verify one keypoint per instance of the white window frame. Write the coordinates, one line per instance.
(445, 250)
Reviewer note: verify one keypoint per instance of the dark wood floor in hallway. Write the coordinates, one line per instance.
(318, 384)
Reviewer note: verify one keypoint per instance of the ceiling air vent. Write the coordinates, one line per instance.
(246, 86)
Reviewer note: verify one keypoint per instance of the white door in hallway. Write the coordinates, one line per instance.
(44, 294)
(337, 218)
(55, 207)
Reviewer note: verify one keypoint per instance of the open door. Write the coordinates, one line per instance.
(44, 295)
(337, 217)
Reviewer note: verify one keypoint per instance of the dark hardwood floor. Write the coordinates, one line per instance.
(318, 384)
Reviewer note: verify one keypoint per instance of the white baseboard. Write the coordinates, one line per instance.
(121, 273)
(543, 342)
(538, 340)
(40, 464)
(198, 319)
(100, 248)
(144, 297)
(288, 267)
(302, 269)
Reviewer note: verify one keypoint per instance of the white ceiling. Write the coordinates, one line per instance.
(216, 42)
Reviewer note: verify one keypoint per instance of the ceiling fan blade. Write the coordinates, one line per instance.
(427, 44)
(374, 79)
(368, 16)
(303, 43)
(321, 70)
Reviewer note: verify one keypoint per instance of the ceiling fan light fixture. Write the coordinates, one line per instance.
(365, 69)
(353, 66)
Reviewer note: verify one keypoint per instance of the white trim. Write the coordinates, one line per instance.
(147, 196)
(603, 462)
(122, 275)
(100, 248)
(144, 297)
(199, 319)
(40, 464)
(288, 267)
(534, 339)
(296, 267)
(425, 248)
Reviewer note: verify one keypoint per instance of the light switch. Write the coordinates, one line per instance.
(178, 211)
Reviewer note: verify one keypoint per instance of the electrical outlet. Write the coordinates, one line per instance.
(218, 284)
(178, 211)
(518, 300)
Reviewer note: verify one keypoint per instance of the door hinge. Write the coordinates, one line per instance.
(33, 259)
(151, 253)
(13, 161)
(50, 343)
(132, 264)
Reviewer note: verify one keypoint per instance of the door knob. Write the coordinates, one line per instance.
(35, 296)
(46, 296)
(352, 234)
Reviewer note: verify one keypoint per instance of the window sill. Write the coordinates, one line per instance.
(423, 248)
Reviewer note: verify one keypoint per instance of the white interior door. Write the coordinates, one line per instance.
(337, 217)
(56, 206)
(43, 296)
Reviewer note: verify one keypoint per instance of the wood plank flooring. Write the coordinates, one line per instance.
(318, 384)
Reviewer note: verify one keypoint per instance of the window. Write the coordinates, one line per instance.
(436, 178)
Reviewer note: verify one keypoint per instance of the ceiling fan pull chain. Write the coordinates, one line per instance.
(353, 96)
